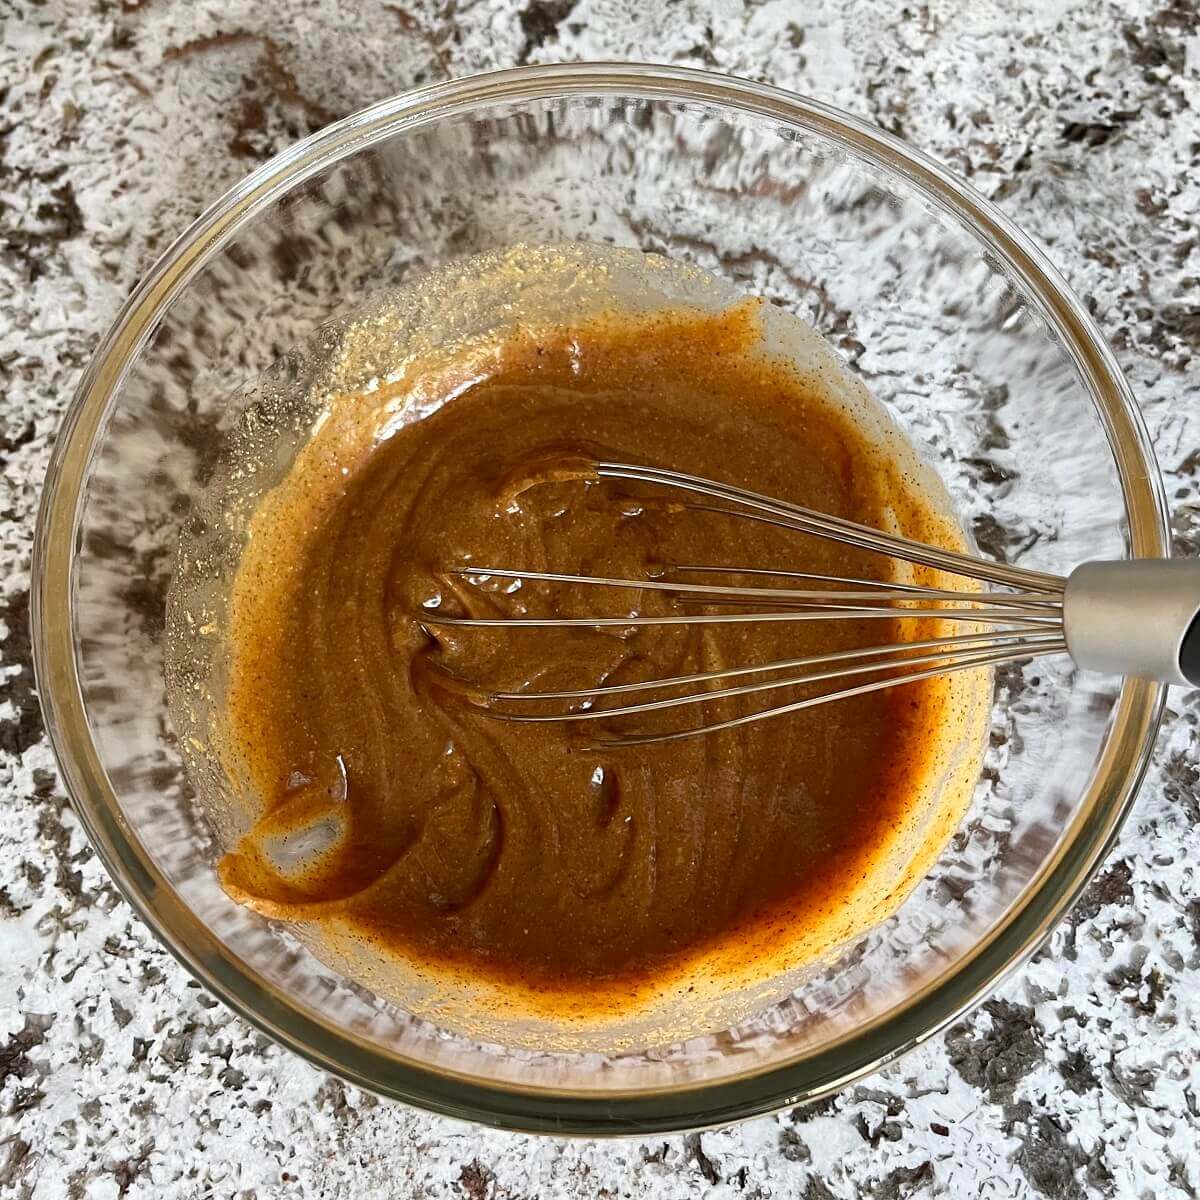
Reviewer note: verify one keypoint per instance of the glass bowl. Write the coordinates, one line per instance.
(952, 318)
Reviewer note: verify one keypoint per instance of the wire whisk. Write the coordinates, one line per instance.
(1127, 617)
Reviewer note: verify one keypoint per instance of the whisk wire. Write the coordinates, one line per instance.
(839, 613)
(884, 592)
(960, 642)
(791, 681)
(982, 660)
(839, 529)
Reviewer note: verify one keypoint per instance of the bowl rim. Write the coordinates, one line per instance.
(1120, 766)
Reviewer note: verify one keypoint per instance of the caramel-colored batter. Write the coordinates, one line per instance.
(392, 801)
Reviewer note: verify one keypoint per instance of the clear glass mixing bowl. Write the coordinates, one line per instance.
(954, 320)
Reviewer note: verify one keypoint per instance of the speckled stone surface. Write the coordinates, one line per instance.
(118, 122)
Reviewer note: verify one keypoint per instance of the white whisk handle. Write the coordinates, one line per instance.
(1136, 617)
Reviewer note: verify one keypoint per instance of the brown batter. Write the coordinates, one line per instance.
(515, 851)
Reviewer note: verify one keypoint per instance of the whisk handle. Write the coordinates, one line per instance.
(1136, 617)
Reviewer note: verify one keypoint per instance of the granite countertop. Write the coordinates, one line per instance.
(119, 121)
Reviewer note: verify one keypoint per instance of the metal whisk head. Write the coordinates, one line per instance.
(1018, 614)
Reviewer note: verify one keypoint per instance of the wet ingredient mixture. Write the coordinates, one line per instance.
(392, 801)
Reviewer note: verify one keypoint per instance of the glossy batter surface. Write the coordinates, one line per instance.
(391, 801)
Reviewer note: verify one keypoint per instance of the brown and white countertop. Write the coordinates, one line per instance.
(119, 121)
